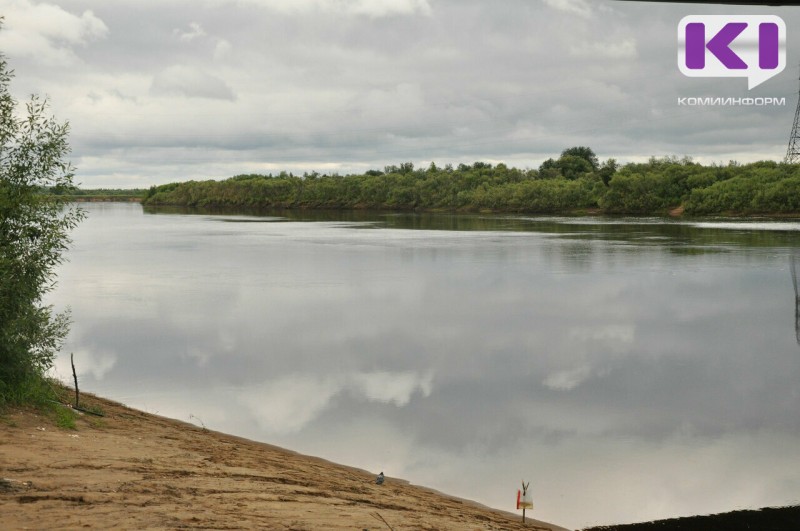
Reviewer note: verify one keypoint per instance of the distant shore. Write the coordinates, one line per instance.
(659, 187)
(675, 213)
(104, 199)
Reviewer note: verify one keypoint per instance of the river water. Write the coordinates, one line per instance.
(629, 369)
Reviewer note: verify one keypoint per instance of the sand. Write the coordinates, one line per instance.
(134, 470)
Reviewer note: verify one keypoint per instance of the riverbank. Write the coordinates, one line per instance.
(103, 199)
(766, 519)
(134, 470)
(657, 187)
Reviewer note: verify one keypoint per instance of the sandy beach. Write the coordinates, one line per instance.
(134, 470)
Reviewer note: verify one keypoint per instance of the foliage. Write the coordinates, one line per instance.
(400, 187)
(756, 188)
(576, 181)
(30, 389)
(574, 163)
(65, 418)
(34, 227)
(101, 194)
(607, 171)
(584, 153)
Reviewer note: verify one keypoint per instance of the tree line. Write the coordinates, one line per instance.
(99, 194)
(574, 182)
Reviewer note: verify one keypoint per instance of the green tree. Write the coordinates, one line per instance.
(549, 164)
(584, 153)
(34, 228)
(574, 163)
(607, 170)
(573, 167)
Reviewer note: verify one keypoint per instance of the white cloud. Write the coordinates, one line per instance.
(380, 8)
(569, 379)
(371, 8)
(195, 31)
(621, 49)
(390, 387)
(222, 49)
(47, 33)
(578, 7)
(619, 336)
(191, 82)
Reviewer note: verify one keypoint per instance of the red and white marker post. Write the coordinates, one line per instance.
(524, 499)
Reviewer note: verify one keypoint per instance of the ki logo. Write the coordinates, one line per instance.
(751, 46)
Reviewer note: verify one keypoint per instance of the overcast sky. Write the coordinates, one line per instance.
(167, 90)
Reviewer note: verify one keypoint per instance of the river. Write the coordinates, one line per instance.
(629, 369)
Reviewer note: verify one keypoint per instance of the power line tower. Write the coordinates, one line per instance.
(793, 151)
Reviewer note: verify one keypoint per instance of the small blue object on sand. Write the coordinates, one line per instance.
(379, 479)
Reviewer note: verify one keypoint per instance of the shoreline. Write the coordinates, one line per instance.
(674, 213)
(133, 470)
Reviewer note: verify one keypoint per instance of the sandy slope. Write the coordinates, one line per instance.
(139, 471)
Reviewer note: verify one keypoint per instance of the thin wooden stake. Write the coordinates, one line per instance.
(75, 377)
(524, 491)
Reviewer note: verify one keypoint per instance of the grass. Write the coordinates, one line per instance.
(65, 418)
(94, 408)
(97, 423)
(47, 396)
(31, 391)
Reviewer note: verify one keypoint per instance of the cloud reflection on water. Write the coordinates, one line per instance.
(290, 403)
(626, 380)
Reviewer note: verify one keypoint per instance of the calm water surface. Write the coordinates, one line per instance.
(629, 369)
